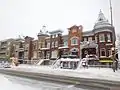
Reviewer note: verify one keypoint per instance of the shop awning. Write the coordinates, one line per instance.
(107, 61)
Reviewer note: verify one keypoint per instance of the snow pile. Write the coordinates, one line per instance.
(97, 73)
(8, 85)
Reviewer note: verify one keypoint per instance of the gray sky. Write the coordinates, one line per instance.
(26, 17)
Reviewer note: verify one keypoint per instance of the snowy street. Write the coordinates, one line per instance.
(17, 83)
(96, 73)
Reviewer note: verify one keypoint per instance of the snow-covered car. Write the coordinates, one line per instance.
(5, 64)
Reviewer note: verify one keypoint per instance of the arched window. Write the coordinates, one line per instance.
(74, 41)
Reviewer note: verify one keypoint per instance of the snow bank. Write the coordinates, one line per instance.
(96, 73)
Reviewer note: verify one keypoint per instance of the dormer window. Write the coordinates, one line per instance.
(100, 19)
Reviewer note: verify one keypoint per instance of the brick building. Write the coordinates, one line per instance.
(53, 45)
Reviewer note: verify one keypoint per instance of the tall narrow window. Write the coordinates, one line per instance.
(108, 38)
(102, 52)
(109, 52)
(96, 39)
(52, 44)
(48, 45)
(56, 43)
(65, 43)
(85, 39)
(101, 38)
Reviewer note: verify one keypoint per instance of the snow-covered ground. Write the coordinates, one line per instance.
(17, 83)
(97, 73)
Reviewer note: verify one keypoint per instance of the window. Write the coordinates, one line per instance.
(34, 46)
(85, 39)
(56, 43)
(74, 41)
(102, 52)
(25, 54)
(55, 36)
(65, 43)
(109, 52)
(108, 38)
(96, 39)
(47, 55)
(89, 38)
(52, 44)
(101, 38)
(48, 44)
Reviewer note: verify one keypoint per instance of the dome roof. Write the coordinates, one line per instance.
(101, 21)
(43, 32)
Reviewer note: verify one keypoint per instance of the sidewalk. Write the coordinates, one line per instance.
(94, 73)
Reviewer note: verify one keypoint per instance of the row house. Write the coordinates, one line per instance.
(53, 45)
(6, 49)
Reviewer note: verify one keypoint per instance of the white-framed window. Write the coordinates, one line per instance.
(65, 43)
(108, 37)
(101, 37)
(102, 52)
(89, 38)
(48, 55)
(48, 44)
(85, 39)
(52, 44)
(74, 41)
(96, 39)
(109, 52)
(25, 54)
(56, 43)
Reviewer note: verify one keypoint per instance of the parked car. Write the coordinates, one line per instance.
(5, 64)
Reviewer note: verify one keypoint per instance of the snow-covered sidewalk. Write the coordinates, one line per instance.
(96, 73)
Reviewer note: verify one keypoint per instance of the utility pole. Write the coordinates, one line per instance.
(111, 12)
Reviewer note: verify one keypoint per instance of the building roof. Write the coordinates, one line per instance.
(88, 33)
(65, 37)
(56, 31)
(101, 21)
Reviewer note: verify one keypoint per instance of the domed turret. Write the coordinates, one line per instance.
(101, 21)
(43, 32)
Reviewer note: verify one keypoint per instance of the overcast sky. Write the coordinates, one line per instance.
(26, 17)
